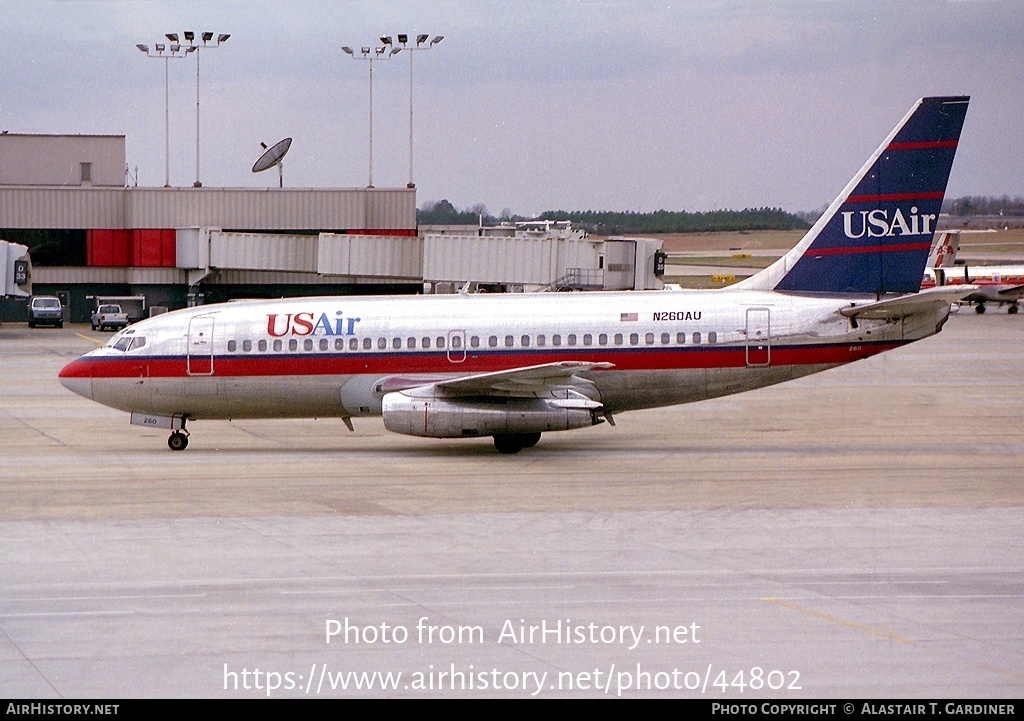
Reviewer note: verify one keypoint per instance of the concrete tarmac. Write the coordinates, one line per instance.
(851, 534)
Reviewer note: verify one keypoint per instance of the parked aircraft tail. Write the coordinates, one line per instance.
(876, 236)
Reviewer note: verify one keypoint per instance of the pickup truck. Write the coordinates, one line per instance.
(109, 316)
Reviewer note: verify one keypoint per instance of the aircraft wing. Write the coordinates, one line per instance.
(904, 305)
(1011, 292)
(539, 381)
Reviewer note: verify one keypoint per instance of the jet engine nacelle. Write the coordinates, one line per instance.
(457, 418)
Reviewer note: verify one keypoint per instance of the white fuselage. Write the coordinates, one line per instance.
(321, 357)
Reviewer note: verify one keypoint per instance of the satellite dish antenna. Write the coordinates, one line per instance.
(272, 157)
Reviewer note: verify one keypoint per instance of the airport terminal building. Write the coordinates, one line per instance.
(92, 236)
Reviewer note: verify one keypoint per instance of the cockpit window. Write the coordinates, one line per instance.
(122, 343)
(127, 340)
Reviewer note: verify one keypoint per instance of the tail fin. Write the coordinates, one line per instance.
(876, 235)
(946, 247)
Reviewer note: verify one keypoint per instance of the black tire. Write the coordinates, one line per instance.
(178, 441)
(509, 443)
(531, 439)
(980, 308)
(1012, 310)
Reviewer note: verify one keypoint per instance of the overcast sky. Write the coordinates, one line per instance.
(530, 106)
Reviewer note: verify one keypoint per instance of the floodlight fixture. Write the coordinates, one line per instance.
(403, 39)
(160, 51)
(207, 37)
(173, 37)
(386, 39)
(347, 49)
(190, 36)
(223, 37)
(378, 53)
(394, 51)
(174, 48)
(437, 39)
(143, 48)
(420, 39)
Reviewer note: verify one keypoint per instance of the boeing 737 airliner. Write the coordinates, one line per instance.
(515, 366)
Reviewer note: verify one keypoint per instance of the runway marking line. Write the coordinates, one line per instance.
(85, 337)
(887, 635)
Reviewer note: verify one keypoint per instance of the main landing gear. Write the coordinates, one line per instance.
(514, 442)
(179, 439)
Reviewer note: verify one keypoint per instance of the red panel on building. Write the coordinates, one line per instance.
(169, 248)
(107, 248)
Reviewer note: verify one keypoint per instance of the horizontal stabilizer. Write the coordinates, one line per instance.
(894, 308)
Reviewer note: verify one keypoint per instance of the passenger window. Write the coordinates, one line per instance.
(457, 341)
(696, 338)
(396, 343)
(232, 346)
(262, 345)
(681, 338)
(571, 339)
(601, 339)
(525, 340)
(556, 340)
(634, 338)
(712, 337)
(278, 345)
(247, 345)
(665, 339)
(649, 339)
(325, 344)
(509, 341)
(307, 344)
(293, 344)
(475, 341)
(493, 341)
(382, 343)
(440, 341)
(618, 339)
(410, 343)
(425, 341)
(587, 339)
(540, 340)
(353, 344)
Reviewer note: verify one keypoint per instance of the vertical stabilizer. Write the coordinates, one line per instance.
(876, 236)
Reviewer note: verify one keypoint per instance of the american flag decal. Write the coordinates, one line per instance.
(625, 317)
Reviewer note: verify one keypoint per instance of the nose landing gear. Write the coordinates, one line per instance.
(179, 439)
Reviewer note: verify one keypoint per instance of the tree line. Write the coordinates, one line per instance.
(616, 222)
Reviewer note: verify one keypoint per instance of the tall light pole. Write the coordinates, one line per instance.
(365, 54)
(420, 40)
(165, 52)
(207, 41)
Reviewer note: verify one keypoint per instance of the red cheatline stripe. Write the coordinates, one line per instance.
(920, 145)
(870, 249)
(934, 195)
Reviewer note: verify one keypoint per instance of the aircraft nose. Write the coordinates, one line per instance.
(77, 378)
